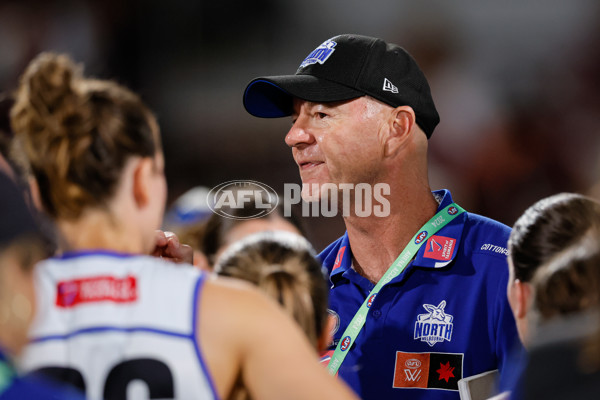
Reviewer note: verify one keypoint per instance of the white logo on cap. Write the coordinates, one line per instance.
(388, 86)
(320, 54)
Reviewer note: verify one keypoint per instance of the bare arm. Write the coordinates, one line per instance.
(242, 332)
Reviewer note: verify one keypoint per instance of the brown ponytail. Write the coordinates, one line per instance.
(290, 285)
(548, 227)
(77, 133)
(569, 285)
(570, 282)
(284, 266)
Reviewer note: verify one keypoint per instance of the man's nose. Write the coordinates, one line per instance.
(300, 133)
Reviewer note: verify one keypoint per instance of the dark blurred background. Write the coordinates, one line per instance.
(516, 83)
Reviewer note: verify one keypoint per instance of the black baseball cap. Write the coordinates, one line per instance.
(343, 68)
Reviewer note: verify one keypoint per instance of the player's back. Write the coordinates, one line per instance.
(119, 327)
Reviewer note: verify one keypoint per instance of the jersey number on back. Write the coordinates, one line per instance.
(155, 374)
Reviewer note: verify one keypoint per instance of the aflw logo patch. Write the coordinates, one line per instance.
(435, 326)
(427, 370)
(99, 288)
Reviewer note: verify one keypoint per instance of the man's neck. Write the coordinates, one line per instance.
(376, 242)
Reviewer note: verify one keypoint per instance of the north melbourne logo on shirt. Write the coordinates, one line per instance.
(427, 370)
(435, 326)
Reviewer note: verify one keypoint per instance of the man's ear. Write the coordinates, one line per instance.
(524, 294)
(142, 175)
(400, 124)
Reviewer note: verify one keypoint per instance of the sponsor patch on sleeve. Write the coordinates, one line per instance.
(428, 370)
(96, 289)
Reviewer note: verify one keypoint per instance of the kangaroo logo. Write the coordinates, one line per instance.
(435, 326)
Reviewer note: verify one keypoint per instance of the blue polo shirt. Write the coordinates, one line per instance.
(445, 317)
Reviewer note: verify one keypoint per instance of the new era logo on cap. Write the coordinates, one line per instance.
(388, 86)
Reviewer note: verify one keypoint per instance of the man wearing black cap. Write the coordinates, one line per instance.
(420, 294)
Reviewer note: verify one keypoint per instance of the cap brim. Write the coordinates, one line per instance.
(272, 96)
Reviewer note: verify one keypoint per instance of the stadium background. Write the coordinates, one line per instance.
(516, 83)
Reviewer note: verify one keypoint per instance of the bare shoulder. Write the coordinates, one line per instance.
(247, 334)
(229, 292)
(239, 314)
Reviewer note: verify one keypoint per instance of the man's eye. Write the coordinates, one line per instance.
(321, 115)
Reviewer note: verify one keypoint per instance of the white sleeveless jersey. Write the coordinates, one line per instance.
(119, 327)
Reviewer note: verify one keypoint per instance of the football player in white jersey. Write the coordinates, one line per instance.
(114, 321)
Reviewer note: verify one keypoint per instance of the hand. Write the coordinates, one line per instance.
(168, 247)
